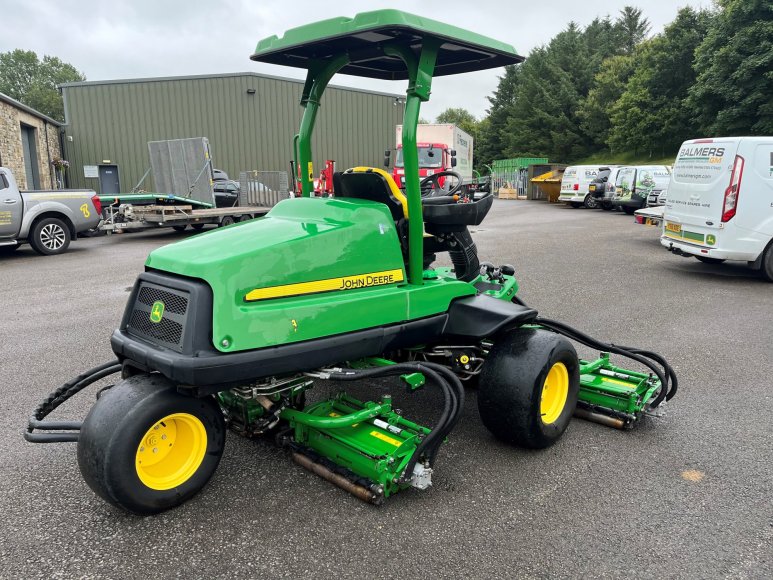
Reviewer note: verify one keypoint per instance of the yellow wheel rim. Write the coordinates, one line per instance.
(171, 451)
(554, 393)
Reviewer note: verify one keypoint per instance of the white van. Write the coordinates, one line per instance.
(634, 184)
(575, 182)
(720, 202)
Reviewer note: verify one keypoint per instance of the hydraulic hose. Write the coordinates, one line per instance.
(652, 360)
(59, 396)
(640, 356)
(456, 383)
(452, 407)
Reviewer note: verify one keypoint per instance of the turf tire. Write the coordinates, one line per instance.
(511, 384)
(114, 429)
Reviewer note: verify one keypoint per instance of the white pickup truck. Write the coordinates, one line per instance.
(47, 220)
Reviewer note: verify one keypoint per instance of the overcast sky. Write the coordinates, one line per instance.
(144, 38)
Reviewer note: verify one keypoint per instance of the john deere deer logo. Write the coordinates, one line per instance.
(157, 312)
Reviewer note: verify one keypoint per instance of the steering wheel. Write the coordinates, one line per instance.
(430, 185)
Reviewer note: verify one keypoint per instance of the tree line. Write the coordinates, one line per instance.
(608, 88)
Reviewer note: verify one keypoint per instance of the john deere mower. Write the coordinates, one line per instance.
(231, 328)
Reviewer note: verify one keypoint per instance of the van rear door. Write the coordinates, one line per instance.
(701, 175)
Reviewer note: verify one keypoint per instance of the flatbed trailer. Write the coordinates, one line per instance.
(145, 211)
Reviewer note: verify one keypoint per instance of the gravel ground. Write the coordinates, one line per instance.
(683, 496)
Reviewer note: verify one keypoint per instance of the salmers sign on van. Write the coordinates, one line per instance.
(699, 163)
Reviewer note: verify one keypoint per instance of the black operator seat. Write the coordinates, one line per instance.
(373, 184)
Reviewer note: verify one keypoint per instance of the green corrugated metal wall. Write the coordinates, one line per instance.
(115, 120)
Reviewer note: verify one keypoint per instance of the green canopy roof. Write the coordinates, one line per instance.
(363, 37)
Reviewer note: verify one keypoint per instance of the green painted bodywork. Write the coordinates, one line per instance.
(304, 240)
(387, 44)
(607, 386)
(464, 50)
(343, 430)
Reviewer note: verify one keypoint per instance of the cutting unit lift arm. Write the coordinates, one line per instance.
(231, 329)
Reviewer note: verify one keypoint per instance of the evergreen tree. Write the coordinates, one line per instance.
(633, 28)
(608, 87)
(491, 130)
(652, 115)
(733, 92)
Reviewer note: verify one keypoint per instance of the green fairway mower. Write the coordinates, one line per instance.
(231, 328)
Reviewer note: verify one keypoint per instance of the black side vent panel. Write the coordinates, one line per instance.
(159, 315)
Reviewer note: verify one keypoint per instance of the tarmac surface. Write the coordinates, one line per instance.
(688, 495)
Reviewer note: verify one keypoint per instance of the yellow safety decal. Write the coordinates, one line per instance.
(311, 171)
(329, 285)
(615, 381)
(334, 414)
(396, 191)
(387, 438)
(85, 210)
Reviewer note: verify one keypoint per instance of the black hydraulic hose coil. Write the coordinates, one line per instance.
(72, 387)
(656, 363)
(429, 446)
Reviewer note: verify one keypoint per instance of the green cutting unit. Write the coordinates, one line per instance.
(232, 328)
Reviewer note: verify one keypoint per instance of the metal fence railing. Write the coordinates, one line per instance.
(511, 175)
(263, 188)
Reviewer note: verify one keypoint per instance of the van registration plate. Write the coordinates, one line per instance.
(676, 228)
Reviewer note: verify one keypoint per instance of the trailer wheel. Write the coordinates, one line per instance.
(629, 210)
(606, 206)
(590, 202)
(50, 236)
(197, 227)
(146, 448)
(528, 388)
(707, 260)
(227, 221)
(575, 204)
(245, 218)
(179, 228)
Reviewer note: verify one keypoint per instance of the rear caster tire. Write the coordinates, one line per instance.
(707, 260)
(146, 448)
(179, 228)
(528, 388)
(575, 204)
(590, 202)
(629, 210)
(50, 236)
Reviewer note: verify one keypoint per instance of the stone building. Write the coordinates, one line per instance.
(29, 142)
